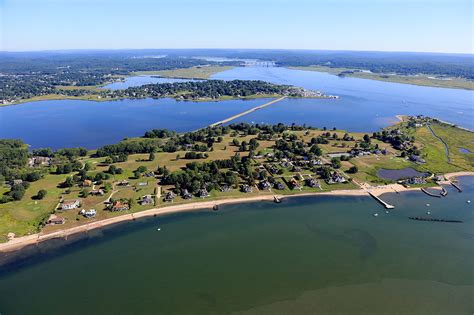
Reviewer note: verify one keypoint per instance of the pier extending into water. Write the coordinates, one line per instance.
(430, 193)
(386, 205)
(224, 121)
(456, 186)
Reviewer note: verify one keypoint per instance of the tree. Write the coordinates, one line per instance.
(151, 157)
(137, 174)
(316, 150)
(354, 169)
(366, 138)
(335, 162)
(41, 194)
(69, 182)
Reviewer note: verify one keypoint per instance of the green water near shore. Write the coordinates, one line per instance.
(307, 255)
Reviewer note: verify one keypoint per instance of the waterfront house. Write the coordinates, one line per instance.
(294, 184)
(186, 194)
(336, 178)
(88, 213)
(169, 196)
(312, 183)
(415, 181)
(203, 193)
(54, 220)
(119, 205)
(146, 200)
(71, 204)
(246, 188)
(279, 185)
(264, 185)
(225, 188)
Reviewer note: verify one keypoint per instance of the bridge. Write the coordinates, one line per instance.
(224, 121)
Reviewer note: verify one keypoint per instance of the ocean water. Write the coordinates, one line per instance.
(307, 255)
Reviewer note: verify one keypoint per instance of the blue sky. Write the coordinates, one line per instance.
(384, 25)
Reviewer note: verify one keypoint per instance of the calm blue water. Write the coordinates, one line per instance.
(141, 80)
(365, 105)
(71, 123)
(307, 255)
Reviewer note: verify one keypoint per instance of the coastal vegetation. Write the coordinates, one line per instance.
(197, 72)
(415, 79)
(219, 162)
(193, 90)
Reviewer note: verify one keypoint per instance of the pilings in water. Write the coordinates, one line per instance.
(386, 205)
(456, 186)
(435, 220)
(430, 194)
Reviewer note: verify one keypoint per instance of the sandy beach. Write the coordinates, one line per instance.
(19, 242)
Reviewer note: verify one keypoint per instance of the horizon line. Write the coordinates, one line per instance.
(244, 49)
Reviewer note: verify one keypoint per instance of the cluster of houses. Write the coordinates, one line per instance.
(37, 161)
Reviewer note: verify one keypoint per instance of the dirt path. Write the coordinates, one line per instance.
(446, 148)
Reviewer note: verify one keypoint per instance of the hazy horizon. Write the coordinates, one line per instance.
(438, 26)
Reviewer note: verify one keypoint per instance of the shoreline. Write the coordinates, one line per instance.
(16, 244)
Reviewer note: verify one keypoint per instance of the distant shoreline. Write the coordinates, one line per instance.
(420, 80)
(16, 244)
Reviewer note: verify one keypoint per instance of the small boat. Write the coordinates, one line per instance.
(469, 201)
(376, 214)
(276, 199)
(428, 212)
(215, 207)
(387, 212)
(158, 229)
(427, 204)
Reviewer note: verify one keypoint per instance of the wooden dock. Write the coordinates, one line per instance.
(224, 121)
(386, 205)
(456, 186)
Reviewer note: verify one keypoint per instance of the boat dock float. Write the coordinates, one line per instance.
(444, 192)
(386, 205)
(456, 186)
(435, 220)
(429, 193)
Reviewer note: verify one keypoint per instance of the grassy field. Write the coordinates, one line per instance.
(424, 80)
(201, 72)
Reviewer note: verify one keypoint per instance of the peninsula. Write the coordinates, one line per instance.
(73, 190)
